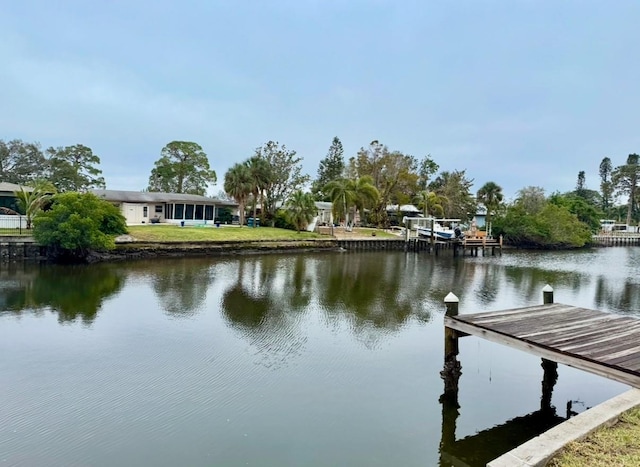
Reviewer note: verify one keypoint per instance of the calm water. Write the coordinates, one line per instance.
(282, 360)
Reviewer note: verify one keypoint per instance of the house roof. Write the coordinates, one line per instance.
(11, 187)
(324, 205)
(157, 197)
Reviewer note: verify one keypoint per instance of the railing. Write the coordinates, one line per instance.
(13, 225)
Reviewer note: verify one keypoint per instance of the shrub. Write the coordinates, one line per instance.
(78, 223)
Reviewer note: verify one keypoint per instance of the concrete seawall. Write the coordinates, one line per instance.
(19, 248)
(26, 248)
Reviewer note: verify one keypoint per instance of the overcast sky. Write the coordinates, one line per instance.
(517, 92)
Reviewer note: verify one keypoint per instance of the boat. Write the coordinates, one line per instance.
(443, 229)
(440, 232)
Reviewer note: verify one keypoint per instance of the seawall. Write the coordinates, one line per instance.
(26, 248)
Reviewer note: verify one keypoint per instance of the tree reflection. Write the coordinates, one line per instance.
(259, 306)
(623, 297)
(181, 285)
(377, 293)
(73, 292)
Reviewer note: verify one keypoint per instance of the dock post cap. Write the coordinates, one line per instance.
(451, 298)
(547, 288)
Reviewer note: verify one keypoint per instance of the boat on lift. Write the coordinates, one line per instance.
(443, 229)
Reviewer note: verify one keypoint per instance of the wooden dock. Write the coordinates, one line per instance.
(601, 343)
(484, 244)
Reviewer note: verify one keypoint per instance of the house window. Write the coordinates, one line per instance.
(208, 213)
(189, 212)
(168, 211)
(199, 212)
(145, 211)
(179, 211)
(158, 209)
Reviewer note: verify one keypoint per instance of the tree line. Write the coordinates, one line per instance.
(360, 187)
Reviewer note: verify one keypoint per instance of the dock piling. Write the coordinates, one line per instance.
(547, 295)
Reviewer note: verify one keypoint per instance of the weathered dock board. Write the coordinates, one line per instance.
(601, 343)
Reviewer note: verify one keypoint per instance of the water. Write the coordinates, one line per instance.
(283, 360)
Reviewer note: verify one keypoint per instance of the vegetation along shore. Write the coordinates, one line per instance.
(368, 189)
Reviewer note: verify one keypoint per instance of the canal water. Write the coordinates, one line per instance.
(317, 359)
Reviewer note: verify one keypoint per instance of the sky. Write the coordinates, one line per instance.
(522, 93)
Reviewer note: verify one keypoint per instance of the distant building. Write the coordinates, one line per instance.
(145, 207)
(8, 197)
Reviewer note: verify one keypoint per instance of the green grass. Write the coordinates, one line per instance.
(9, 232)
(617, 445)
(174, 233)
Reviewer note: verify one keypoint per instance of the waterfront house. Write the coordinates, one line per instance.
(8, 195)
(146, 207)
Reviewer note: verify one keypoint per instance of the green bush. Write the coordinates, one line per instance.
(282, 221)
(78, 223)
(553, 227)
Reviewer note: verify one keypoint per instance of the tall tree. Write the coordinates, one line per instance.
(238, 185)
(260, 177)
(393, 174)
(430, 203)
(531, 199)
(301, 209)
(490, 196)
(285, 176)
(183, 167)
(455, 190)
(581, 184)
(365, 195)
(342, 197)
(74, 168)
(21, 162)
(330, 168)
(606, 186)
(625, 179)
(426, 168)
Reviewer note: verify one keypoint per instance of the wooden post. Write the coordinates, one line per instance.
(547, 295)
(451, 302)
(550, 368)
(452, 370)
(549, 379)
(407, 225)
(433, 234)
(451, 375)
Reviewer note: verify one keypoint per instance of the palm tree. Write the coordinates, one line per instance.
(32, 201)
(365, 194)
(431, 203)
(238, 185)
(260, 175)
(342, 195)
(301, 209)
(490, 195)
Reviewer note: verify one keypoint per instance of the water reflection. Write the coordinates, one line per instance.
(623, 296)
(265, 304)
(278, 358)
(182, 288)
(73, 292)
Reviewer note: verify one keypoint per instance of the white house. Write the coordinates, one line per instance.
(143, 207)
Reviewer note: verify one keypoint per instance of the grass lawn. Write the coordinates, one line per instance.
(174, 233)
(618, 445)
(9, 232)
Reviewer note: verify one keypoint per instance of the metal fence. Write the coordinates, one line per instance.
(13, 225)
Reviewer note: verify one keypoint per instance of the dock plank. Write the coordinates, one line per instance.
(601, 343)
